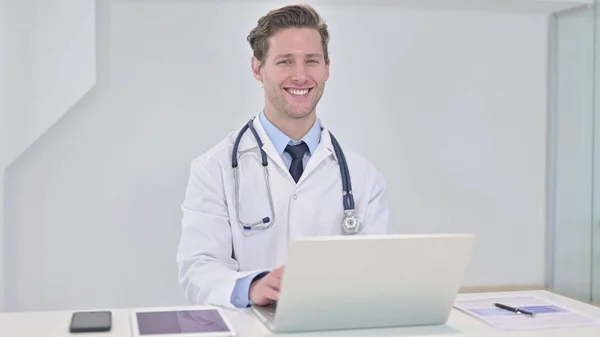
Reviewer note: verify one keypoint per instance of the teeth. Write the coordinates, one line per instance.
(298, 92)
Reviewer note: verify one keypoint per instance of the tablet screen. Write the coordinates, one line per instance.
(180, 322)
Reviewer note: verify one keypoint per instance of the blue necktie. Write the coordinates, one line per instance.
(297, 153)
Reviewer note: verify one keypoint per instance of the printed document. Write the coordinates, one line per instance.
(548, 315)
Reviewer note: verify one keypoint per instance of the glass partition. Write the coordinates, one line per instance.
(596, 195)
(573, 213)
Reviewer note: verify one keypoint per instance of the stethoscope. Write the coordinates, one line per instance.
(351, 224)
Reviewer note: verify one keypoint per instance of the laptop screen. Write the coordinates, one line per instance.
(180, 322)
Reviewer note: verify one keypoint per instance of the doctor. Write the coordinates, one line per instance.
(244, 201)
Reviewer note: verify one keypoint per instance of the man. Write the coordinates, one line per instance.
(219, 261)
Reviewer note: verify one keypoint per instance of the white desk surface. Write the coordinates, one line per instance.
(56, 324)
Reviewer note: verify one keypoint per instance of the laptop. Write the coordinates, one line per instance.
(371, 281)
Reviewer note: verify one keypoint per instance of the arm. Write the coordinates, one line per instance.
(240, 297)
(207, 272)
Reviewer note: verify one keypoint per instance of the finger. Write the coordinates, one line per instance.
(278, 273)
(270, 293)
(264, 293)
(274, 283)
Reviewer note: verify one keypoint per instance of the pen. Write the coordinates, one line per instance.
(515, 310)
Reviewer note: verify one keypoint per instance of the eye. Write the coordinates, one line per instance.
(313, 61)
(284, 62)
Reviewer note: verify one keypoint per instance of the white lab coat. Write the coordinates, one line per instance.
(313, 206)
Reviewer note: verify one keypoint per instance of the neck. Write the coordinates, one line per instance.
(295, 128)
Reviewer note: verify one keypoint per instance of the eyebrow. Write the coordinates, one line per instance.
(290, 55)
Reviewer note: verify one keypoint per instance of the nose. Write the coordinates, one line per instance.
(299, 74)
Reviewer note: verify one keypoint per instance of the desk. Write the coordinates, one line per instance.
(55, 324)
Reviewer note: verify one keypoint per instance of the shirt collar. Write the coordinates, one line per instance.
(280, 140)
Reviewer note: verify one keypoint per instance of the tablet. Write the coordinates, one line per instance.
(180, 322)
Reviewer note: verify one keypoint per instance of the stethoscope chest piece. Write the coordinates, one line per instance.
(351, 224)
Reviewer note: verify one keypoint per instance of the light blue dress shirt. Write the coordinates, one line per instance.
(239, 296)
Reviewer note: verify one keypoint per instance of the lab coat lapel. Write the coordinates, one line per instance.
(248, 142)
(268, 146)
(322, 152)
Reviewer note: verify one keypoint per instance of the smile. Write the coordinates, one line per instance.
(298, 92)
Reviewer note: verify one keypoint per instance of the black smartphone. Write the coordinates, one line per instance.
(91, 321)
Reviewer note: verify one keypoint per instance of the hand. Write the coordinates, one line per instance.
(266, 289)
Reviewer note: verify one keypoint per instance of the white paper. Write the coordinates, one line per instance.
(548, 315)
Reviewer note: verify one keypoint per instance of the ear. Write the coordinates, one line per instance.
(257, 69)
(327, 69)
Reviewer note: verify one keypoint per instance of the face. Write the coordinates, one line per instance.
(293, 73)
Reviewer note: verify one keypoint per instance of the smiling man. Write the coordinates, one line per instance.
(278, 178)
(292, 62)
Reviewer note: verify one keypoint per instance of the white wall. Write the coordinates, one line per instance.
(455, 101)
(50, 47)
(54, 64)
(3, 72)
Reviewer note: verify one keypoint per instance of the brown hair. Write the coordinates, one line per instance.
(292, 16)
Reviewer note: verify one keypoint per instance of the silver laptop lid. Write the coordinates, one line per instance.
(346, 282)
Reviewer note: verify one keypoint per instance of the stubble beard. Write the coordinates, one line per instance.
(284, 109)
